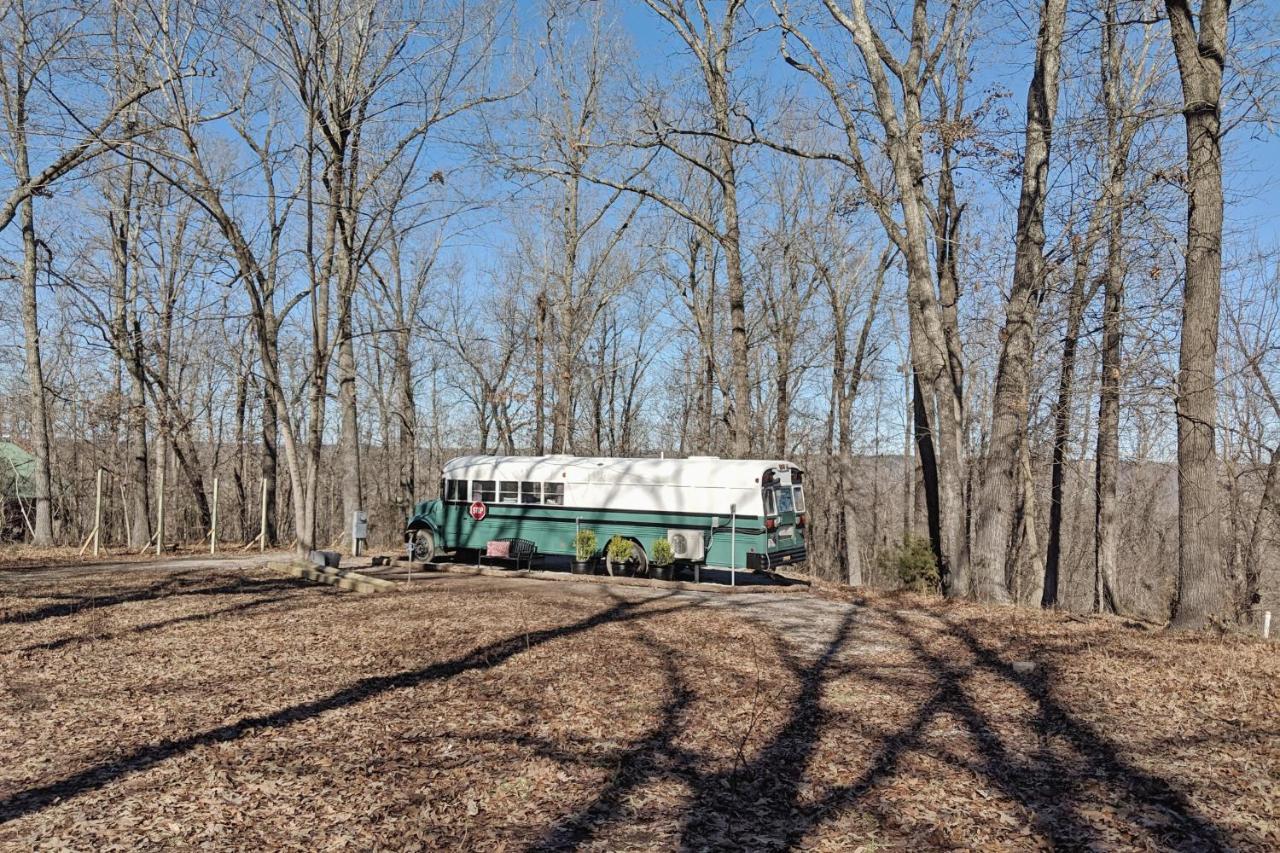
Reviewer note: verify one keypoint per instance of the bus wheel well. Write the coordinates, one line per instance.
(641, 557)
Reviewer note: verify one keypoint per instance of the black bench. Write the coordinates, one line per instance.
(521, 550)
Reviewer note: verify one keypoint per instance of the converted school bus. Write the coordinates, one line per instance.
(721, 513)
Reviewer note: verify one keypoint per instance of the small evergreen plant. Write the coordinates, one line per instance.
(618, 549)
(584, 545)
(915, 565)
(662, 553)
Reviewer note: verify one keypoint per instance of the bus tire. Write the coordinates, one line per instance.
(424, 546)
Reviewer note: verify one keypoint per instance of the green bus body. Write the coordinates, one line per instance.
(731, 541)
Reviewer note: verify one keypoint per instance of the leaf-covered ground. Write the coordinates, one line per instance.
(233, 707)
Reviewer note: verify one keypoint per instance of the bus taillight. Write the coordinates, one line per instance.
(770, 524)
(800, 520)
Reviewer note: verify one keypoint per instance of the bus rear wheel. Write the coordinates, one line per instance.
(635, 566)
(423, 545)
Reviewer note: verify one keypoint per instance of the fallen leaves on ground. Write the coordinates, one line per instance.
(215, 708)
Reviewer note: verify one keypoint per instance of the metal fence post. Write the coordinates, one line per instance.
(160, 512)
(97, 514)
(262, 521)
(213, 527)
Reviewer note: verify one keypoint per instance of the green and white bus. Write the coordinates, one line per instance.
(721, 513)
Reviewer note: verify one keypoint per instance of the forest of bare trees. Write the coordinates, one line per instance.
(1002, 277)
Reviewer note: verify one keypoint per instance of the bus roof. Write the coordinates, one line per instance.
(698, 471)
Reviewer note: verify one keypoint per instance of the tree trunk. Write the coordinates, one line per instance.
(783, 389)
(407, 421)
(996, 509)
(239, 471)
(127, 339)
(42, 532)
(1201, 591)
(539, 375)
(270, 462)
(139, 488)
(838, 438)
(349, 435)
(1264, 519)
(569, 334)
(1062, 426)
(736, 288)
(1106, 529)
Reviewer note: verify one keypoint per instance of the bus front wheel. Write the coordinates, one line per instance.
(424, 546)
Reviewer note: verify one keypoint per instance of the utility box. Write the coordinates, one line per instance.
(359, 531)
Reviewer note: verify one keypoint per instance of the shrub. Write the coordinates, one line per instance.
(618, 549)
(661, 552)
(584, 545)
(914, 564)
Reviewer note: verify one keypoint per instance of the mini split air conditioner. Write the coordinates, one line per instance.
(686, 544)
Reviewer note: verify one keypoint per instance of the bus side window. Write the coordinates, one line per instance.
(770, 507)
(799, 498)
(455, 490)
(554, 494)
(482, 490)
(508, 492)
(530, 493)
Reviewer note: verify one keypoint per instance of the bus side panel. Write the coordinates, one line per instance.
(552, 529)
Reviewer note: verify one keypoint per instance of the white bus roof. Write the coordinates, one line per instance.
(696, 471)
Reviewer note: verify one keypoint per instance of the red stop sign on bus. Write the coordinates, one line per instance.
(478, 510)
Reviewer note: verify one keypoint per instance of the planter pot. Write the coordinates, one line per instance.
(581, 567)
(664, 573)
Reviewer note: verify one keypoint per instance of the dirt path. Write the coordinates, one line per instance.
(808, 624)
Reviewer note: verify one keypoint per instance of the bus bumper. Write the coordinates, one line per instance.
(777, 559)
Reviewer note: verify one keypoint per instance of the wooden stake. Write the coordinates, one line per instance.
(97, 514)
(1266, 625)
(262, 523)
(213, 527)
(160, 512)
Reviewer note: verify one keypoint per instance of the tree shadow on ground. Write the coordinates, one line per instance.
(757, 804)
(244, 607)
(482, 658)
(170, 587)
(769, 799)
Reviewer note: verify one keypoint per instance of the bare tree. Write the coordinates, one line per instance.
(995, 510)
(711, 42)
(1201, 53)
(898, 82)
